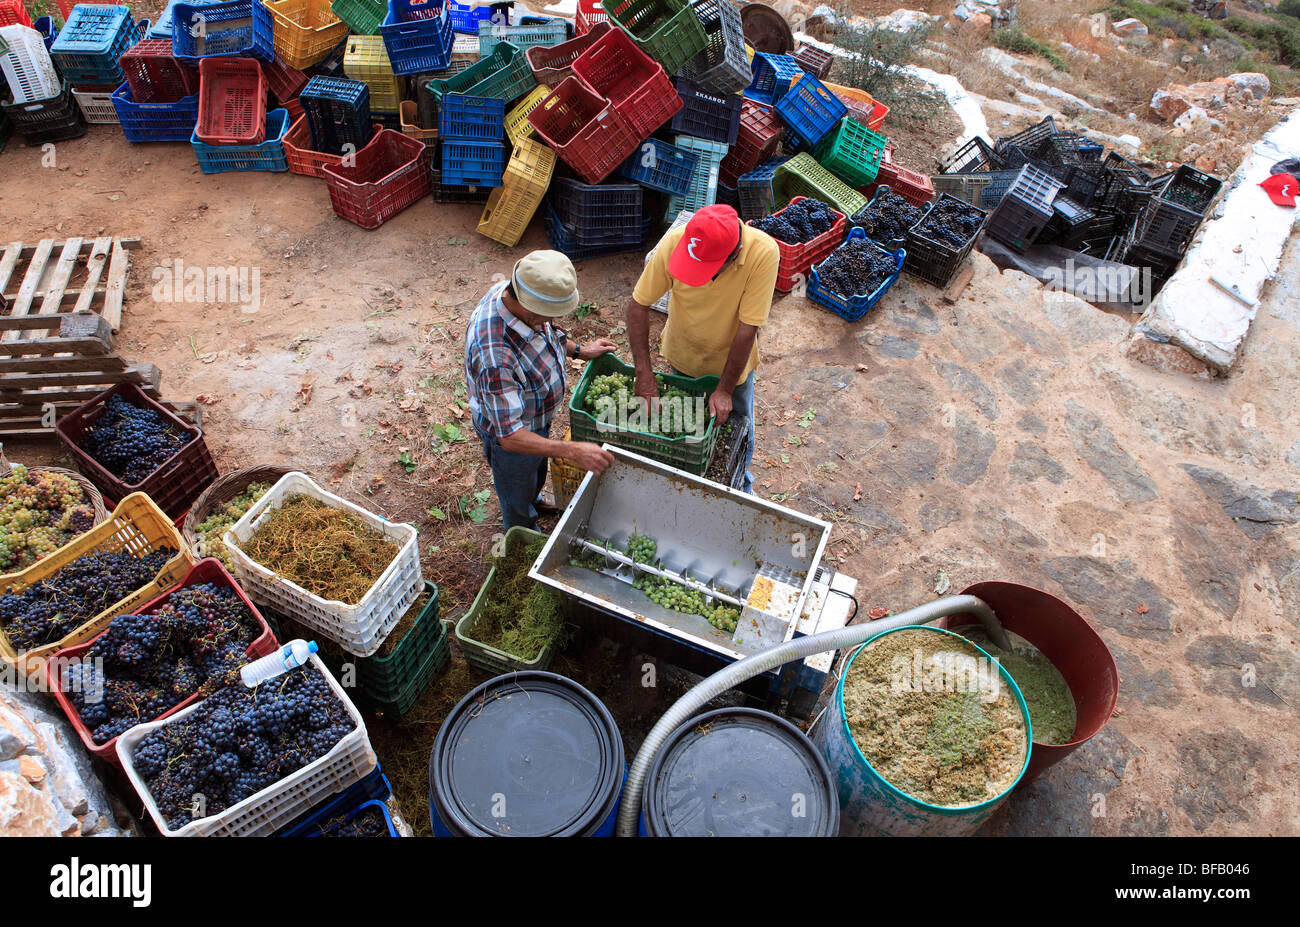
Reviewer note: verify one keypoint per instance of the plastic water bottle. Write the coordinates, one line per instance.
(294, 653)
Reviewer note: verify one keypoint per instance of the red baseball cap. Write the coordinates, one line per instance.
(710, 237)
(1281, 189)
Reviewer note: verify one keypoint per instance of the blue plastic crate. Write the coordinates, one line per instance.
(155, 122)
(374, 787)
(773, 75)
(660, 166)
(467, 118)
(854, 307)
(338, 113)
(49, 32)
(237, 27)
(328, 828)
(754, 189)
(472, 164)
(562, 239)
(90, 42)
(418, 36)
(465, 17)
(809, 110)
(267, 156)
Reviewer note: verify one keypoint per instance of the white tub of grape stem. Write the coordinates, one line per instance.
(360, 628)
(263, 813)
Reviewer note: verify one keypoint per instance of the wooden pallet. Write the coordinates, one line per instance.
(59, 311)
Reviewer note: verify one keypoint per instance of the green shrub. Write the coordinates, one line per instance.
(1017, 42)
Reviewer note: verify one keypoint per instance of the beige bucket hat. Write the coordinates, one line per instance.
(546, 283)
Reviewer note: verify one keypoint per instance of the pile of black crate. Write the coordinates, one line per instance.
(1045, 186)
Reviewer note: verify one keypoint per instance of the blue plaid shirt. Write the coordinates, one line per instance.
(513, 374)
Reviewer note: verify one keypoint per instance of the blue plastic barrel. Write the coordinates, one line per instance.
(739, 772)
(527, 754)
(872, 806)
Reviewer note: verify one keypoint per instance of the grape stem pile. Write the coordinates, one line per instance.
(40, 511)
(144, 665)
(131, 442)
(887, 217)
(856, 268)
(951, 222)
(611, 396)
(663, 591)
(53, 608)
(240, 741)
(798, 223)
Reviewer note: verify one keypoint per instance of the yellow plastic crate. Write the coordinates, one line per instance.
(517, 125)
(137, 526)
(366, 59)
(566, 477)
(511, 206)
(305, 31)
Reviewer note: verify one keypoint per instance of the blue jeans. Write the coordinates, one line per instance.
(518, 479)
(742, 401)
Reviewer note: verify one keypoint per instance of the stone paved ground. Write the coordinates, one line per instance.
(1009, 437)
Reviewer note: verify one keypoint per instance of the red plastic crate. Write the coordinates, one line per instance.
(284, 82)
(912, 186)
(154, 76)
(584, 129)
(757, 141)
(13, 13)
(797, 260)
(386, 176)
(553, 63)
(630, 79)
(298, 151)
(589, 14)
(209, 570)
(173, 486)
(232, 102)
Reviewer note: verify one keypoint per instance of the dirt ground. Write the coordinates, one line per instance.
(1006, 436)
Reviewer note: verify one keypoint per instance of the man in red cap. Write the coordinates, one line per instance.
(721, 274)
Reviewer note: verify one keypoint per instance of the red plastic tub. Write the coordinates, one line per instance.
(13, 13)
(797, 260)
(584, 129)
(284, 82)
(154, 76)
(386, 176)
(300, 155)
(630, 79)
(911, 185)
(553, 63)
(173, 486)
(232, 102)
(209, 570)
(1070, 643)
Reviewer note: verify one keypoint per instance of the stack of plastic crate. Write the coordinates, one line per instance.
(598, 215)
(511, 206)
(704, 179)
(87, 51)
(37, 104)
(418, 35)
(1169, 220)
(471, 136)
(365, 58)
(523, 37)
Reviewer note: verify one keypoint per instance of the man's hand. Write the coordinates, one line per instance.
(647, 387)
(720, 405)
(589, 456)
(596, 348)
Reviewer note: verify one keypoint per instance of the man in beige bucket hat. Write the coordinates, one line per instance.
(515, 377)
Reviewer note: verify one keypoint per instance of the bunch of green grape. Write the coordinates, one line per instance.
(39, 513)
(723, 617)
(641, 549)
(615, 391)
(213, 528)
(672, 595)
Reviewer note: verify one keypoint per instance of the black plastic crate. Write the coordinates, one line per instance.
(451, 193)
(973, 156)
(935, 261)
(1191, 189)
(1165, 228)
(1084, 182)
(338, 113)
(1094, 234)
(54, 119)
(996, 188)
(598, 214)
(1029, 139)
(1120, 179)
(1068, 218)
(707, 115)
(1026, 209)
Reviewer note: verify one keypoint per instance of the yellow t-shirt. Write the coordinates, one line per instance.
(702, 320)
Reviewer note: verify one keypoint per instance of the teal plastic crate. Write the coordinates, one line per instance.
(490, 659)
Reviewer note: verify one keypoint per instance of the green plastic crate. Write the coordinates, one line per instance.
(486, 658)
(852, 152)
(667, 30)
(404, 699)
(504, 75)
(362, 16)
(803, 176)
(687, 452)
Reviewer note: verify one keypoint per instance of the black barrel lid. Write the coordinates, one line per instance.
(527, 754)
(740, 772)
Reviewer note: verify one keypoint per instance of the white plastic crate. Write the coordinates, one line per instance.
(661, 305)
(27, 66)
(360, 628)
(263, 813)
(97, 107)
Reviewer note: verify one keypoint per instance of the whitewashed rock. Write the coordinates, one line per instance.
(1168, 105)
(1130, 28)
(1098, 25)
(1257, 86)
